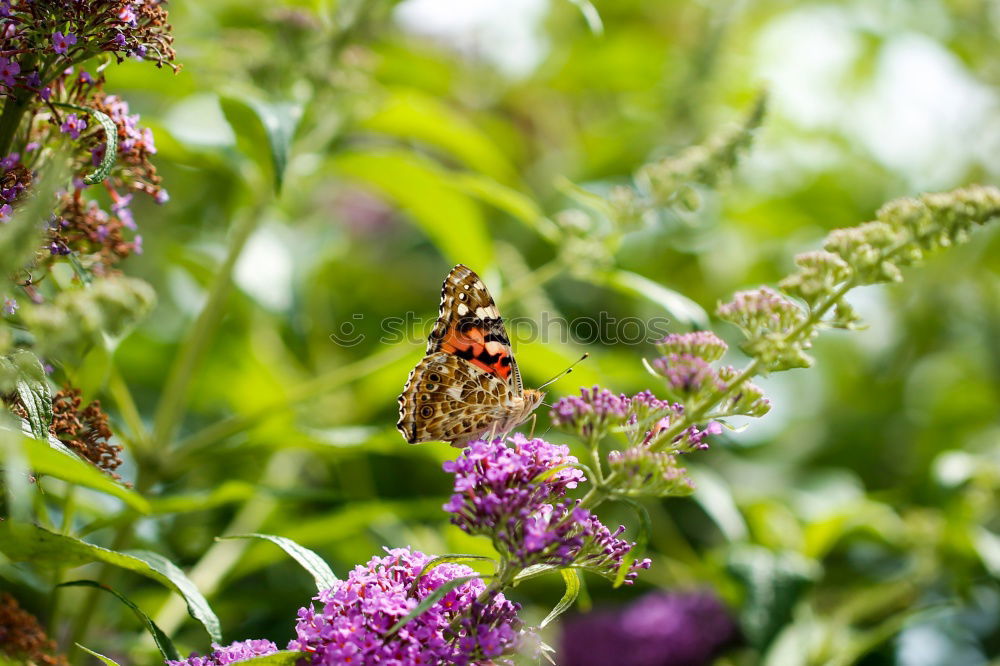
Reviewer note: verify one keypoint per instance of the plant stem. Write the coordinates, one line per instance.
(175, 392)
(13, 110)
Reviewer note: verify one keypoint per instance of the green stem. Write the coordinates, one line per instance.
(10, 120)
(175, 392)
(122, 396)
(69, 510)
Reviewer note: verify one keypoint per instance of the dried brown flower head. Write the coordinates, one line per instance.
(85, 431)
(22, 637)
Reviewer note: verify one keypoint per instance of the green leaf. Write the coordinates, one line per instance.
(572, 579)
(774, 582)
(53, 459)
(534, 571)
(33, 390)
(30, 543)
(310, 561)
(590, 15)
(641, 539)
(423, 190)
(517, 205)
(716, 499)
(163, 642)
(111, 142)
(429, 601)
(257, 124)
(107, 660)
(680, 306)
(281, 658)
(412, 114)
(197, 606)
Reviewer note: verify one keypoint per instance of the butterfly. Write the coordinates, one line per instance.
(467, 386)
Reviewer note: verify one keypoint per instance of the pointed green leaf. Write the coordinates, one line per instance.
(590, 15)
(310, 561)
(51, 458)
(107, 660)
(163, 642)
(424, 191)
(33, 389)
(572, 579)
(197, 606)
(412, 114)
(429, 601)
(680, 306)
(256, 124)
(30, 543)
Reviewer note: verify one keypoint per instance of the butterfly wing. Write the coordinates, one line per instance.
(447, 398)
(470, 327)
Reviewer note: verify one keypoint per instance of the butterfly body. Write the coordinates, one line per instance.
(468, 385)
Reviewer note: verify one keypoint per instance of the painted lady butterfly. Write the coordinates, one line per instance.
(467, 385)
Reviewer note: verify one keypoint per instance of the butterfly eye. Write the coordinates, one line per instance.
(427, 411)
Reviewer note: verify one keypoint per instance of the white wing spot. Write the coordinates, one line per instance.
(478, 284)
(463, 309)
(484, 313)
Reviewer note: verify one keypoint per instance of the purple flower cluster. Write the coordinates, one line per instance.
(703, 344)
(509, 493)
(355, 615)
(645, 472)
(760, 311)
(591, 413)
(687, 375)
(231, 654)
(38, 30)
(659, 629)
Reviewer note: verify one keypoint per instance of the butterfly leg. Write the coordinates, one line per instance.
(534, 420)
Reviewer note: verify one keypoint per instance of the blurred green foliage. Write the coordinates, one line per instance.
(328, 163)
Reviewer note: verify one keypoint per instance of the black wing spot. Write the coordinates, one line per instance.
(427, 411)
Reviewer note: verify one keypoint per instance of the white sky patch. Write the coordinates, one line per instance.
(920, 112)
(265, 269)
(506, 33)
(924, 113)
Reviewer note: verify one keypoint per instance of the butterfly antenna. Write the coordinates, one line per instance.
(566, 371)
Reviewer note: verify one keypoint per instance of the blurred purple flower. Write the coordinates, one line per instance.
(591, 413)
(73, 125)
(10, 306)
(236, 652)
(356, 613)
(8, 70)
(659, 629)
(61, 42)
